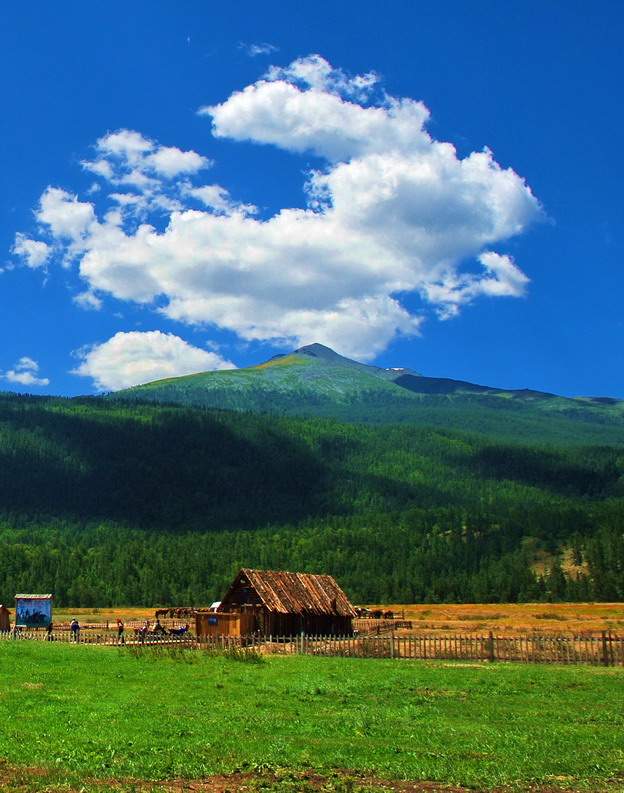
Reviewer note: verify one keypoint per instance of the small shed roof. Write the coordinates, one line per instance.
(34, 597)
(296, 593)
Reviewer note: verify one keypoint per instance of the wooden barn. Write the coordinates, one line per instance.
(5, 619)
(276, 603)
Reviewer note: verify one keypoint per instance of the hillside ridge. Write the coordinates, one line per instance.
(315, 380)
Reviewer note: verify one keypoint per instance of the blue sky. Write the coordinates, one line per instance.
(186, 186)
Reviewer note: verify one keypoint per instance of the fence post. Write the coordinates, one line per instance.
(491, 656)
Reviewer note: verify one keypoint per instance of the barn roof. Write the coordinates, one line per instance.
(296, 593)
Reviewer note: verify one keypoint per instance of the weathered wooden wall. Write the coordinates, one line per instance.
(220, 624)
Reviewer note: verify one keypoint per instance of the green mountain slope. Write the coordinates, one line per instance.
(107, 502)
(316, 381)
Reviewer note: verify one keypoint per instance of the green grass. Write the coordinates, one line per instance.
(84, 713)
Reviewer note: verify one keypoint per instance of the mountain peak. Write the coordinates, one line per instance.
(317, 350)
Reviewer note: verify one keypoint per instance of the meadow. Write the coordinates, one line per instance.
(506, 619)
(515, 619)
(92, 718)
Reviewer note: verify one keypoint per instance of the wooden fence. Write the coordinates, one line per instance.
(102, 639)
(605, 649)
(370, 625)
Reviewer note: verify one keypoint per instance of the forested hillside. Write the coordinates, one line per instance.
(110, 503)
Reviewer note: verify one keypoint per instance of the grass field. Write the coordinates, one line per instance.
(90, 718)
(516, 619)
(511, 619)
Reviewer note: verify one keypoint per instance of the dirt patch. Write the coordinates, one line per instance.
(299, 783)
(38, 780)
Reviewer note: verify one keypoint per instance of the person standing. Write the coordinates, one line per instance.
(74, 627)
(121, 639)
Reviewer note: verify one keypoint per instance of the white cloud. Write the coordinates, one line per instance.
(315, 72)
(281, 113)
(253, 50)
(505, 277)
(33, 253)
(502, 279)
(125, 143)
(170, 162)
(25, 373)
(128, 156)
(88, 301)
(129, 359)
(65, 216)
(219, 200)
(392, 212)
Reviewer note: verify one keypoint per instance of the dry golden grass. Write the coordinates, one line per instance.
(543, 561)
(514, 619)
(100, 616)
(510, 619)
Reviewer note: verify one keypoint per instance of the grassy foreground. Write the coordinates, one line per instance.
(73, 714)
